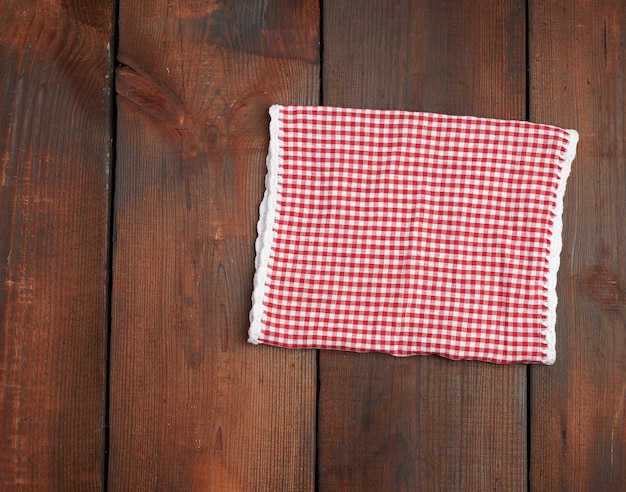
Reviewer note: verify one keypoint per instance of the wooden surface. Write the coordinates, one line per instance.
(423, 422)
(130, 221)
(193, 406)
(55, 151)
(577, 68)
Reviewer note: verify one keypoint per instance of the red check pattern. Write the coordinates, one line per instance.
(410, 233)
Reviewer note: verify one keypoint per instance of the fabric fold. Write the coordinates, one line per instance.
(410, 233)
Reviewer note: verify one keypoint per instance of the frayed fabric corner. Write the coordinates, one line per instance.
(410, 233)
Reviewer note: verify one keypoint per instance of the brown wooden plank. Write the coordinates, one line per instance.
(578, 68)
(423, 423)
(194, 407)
(55, 151)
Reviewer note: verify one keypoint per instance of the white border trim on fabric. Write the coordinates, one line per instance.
(556, 244)
(265, 226)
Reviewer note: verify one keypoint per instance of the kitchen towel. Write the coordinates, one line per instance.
(410, 233)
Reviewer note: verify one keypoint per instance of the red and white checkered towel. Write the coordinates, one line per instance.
(410, 233)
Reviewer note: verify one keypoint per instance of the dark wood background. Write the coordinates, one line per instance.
(132, 145)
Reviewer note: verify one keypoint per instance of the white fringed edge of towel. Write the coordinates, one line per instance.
(556, 244)
(268, 214)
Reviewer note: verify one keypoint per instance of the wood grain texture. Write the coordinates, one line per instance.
(578, 68)
(193, 406)
(55, 151)
(423, 423)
